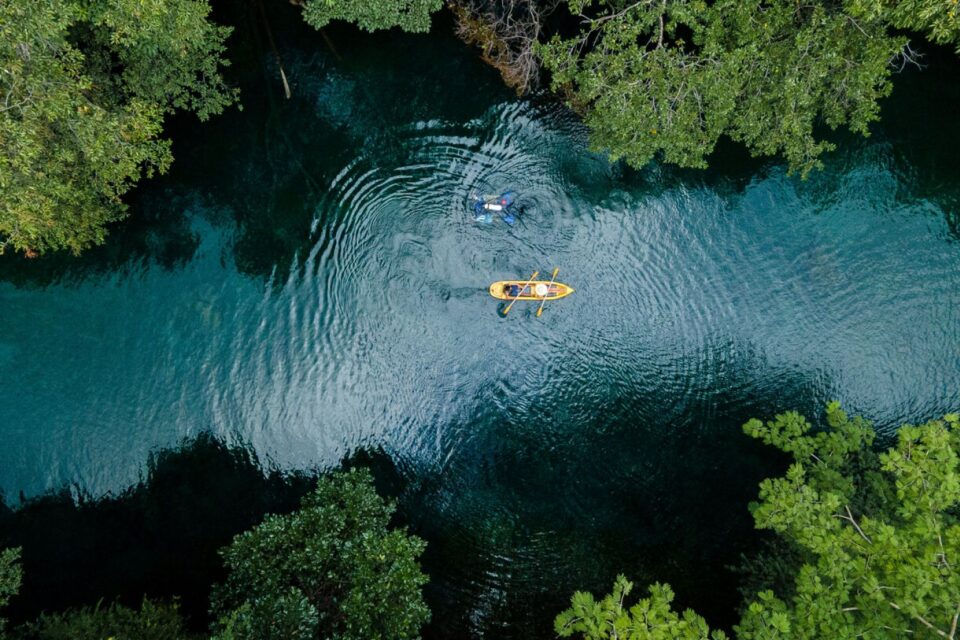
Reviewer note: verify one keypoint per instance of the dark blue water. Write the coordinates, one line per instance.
(308, 282)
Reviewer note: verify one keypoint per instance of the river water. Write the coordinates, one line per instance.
(308, 282)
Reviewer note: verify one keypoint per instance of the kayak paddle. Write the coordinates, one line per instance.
(553, 279)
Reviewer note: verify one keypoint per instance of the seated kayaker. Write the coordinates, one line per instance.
(512, 290)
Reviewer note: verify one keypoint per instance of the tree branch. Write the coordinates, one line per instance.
(849, 517)
(922, 620)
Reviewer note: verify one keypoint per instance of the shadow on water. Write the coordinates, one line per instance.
(158, 538)
(494, 509)
(155, 235)
(920, 123)
(349, 101)
(532, 509)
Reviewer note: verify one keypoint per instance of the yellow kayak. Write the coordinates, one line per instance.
(536, 290)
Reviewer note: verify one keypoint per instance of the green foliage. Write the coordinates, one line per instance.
(286, 615)
(154, 621)
(409, 15)
(936, 19)
(650, 618)
(10, 579)
(669, 78)
(84, 87)
(874, 542)
(333, 569)
(880, 571)
(835, 456)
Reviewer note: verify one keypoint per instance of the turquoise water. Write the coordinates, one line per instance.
(308, 282)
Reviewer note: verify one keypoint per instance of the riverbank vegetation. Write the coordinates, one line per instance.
(878, 537)
(667, 80)
(331, 569)
(335, 567)
(86, 86)
(868, 538)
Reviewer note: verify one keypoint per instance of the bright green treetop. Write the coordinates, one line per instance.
(878, 534)
(333, 569)
(650, 618)
(880, 568)
(84, 87)
(409, 15)
(669, 78)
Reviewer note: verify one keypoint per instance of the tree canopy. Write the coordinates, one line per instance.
(650, 618)
(370, 15)
(331, 569)
(85, 85)
(655, 78)
(879, 537)
(877, 568)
